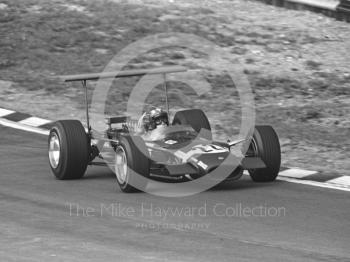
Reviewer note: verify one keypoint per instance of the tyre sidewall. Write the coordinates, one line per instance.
(138, 171)
(62, 164)
(129, 159)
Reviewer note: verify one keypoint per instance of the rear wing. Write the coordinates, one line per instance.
(125, 73)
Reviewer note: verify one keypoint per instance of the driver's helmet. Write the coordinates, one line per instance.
(155, 117)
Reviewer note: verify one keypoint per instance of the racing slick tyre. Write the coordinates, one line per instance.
(196, 119)
(132, 166)
(68, 149)
(265, 145)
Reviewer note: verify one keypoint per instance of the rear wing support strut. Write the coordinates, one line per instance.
(87, 107)
(166, 95)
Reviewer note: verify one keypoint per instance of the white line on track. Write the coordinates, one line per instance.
(314, 183)
(296, 173)
(338, 186)
(34, 121)
(343, 180)
(20, 126)
(326, 4)
(5, 112)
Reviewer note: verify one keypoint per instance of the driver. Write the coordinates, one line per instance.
(152, 120)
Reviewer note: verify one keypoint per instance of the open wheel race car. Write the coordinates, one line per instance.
(155, 147)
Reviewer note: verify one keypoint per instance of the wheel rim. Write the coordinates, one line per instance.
(54, 150)
(253, 149)
(121, 165)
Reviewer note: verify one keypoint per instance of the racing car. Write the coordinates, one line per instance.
(155, 147)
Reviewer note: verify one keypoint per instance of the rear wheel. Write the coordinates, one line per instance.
(196, 119)
(265, 145)
(68, 147)
(132, 165)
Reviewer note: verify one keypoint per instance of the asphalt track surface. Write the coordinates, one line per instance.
(44, 219)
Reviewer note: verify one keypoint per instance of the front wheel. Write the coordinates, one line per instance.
(132, 165)
(265, 145)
